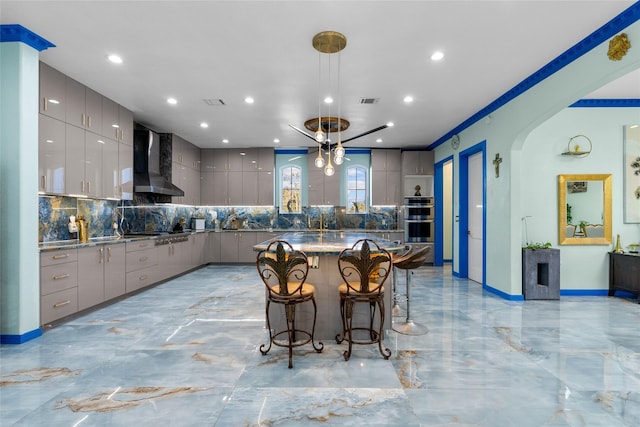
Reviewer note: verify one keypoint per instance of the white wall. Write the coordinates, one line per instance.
(505, 131)
(581, 267)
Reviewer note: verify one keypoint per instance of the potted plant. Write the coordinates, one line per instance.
(540, 271)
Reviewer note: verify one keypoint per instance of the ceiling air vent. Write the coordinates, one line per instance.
(369, 100)
(213, 102)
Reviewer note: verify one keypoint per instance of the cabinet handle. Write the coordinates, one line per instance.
(108, 254)
(44, 182)
(44, 103)
(101, 255)
(60, 304)
(141, 278)
(60, 256)
(82, 119)
(61, 276)
(89, 120)
(88, 186)
(143, 259)
(82, 185)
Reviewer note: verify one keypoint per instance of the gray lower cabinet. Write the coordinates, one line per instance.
(90, 276)
(213, 244)
(237, 246)
(114, 271)
(141, 265)
(58, 284)
(101, 274)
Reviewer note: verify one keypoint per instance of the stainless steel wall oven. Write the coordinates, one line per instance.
(419, 214)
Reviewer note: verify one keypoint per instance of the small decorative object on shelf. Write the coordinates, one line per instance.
(618, 248)
(633, 248)
(575, 149)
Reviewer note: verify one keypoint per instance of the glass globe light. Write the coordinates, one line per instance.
(319, 162)
(338, 160)
(320, 135)
(329, 170)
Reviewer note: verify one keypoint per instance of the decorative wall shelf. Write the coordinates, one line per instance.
(574, 148)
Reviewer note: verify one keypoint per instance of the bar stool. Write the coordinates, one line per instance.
(284, 272)
(364, 272)
(414, 260)
(398, 258)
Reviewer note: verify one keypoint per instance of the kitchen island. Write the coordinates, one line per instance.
(323, 249)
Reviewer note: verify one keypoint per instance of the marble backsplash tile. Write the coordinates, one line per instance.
(144, 214)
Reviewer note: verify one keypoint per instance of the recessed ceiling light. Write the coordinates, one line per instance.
(172, 101)
(408, 99)
(390, 124)
(276, 140)
(115, 59)
(225, 141)
(204, 125)
(379, 140)
(437, 55)
(328, 100)
(249, 100)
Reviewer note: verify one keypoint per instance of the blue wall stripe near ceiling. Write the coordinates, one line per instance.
(357, 151)
(608, 30)
(18, 33)
(291, 151)
(600, 103)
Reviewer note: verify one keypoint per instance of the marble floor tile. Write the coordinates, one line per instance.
(186, 353)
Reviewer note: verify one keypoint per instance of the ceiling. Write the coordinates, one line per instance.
(227, 50)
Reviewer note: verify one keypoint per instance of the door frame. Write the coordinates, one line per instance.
(463, 210)
(438, 185)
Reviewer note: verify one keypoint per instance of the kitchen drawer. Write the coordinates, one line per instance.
(140, 259)
(141, 278)
(58, 305)
(140, 245)
(58, 257)
(54, 278)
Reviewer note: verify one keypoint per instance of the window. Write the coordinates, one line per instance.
(356, 189)
(290, 193)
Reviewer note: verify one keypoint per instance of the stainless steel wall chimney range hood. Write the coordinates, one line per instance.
(146, 166)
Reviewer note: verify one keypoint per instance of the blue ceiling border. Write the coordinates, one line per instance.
(608, 30)
(18, 33)
(604, 103)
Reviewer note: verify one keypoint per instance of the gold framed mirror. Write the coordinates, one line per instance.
(584, 209)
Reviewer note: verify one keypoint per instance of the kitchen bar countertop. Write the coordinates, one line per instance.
(328, 242)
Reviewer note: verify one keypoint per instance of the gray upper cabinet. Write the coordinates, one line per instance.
(117, 122)
(386, 160)
(80, 132)
(237, 177)
(51, 155)
(53, 85)
(417, 162)
(386, 179)
(84, 107)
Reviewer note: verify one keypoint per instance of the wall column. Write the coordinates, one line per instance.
(19, 255)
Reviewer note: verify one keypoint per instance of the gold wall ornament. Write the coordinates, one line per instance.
(618, 47)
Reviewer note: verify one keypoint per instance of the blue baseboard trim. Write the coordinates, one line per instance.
(584, 292)
(455, 274)
(503, 295)
(19, 339)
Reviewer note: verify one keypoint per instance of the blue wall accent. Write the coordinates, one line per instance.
(608, 30)
(586, 292)
(606, 103)
(19, 339)
(503, 294)
(18, 33)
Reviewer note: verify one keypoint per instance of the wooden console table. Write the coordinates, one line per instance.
(624, 273)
